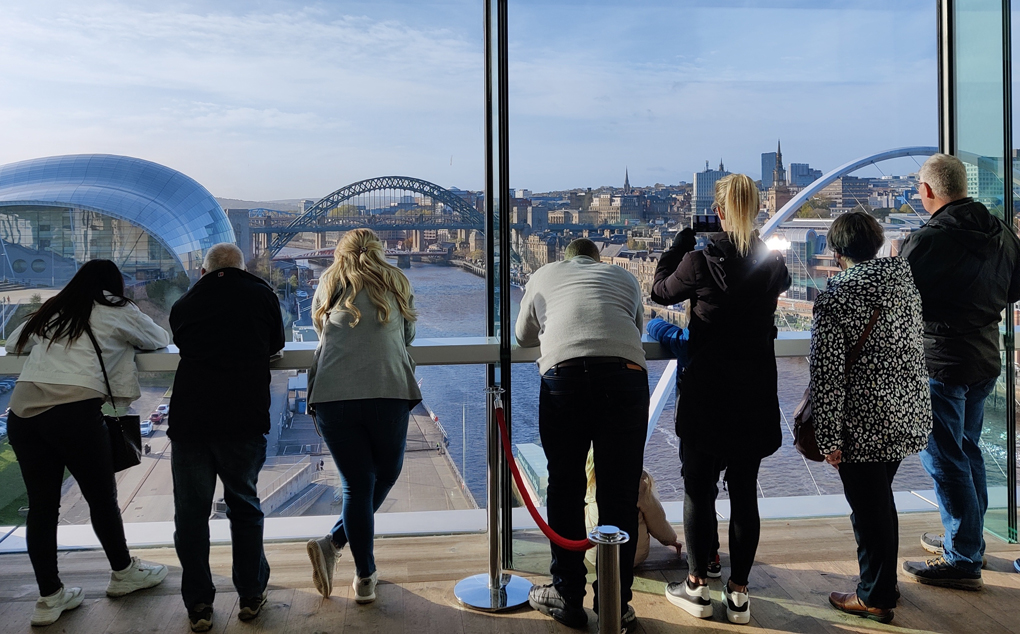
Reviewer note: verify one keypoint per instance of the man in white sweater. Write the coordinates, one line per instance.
(587, 318)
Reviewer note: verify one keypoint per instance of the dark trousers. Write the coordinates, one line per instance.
(605, 406)
(701, 528)
(195, 465)
(868, 489)
(72, 436)
(367, 438)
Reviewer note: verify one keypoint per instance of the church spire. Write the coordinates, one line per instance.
(626, 181)
(779, 173)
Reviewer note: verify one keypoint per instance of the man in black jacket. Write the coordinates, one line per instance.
(966, 264)
(227, 327)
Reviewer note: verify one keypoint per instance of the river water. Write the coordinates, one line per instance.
(451, 303)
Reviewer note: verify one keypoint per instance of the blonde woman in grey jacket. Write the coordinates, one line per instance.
(56, 421)
(871, 416)
(362, 389)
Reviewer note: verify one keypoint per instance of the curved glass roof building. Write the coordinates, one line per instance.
(148, 218)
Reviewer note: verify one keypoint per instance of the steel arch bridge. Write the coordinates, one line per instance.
(805, 194)
(456, 214)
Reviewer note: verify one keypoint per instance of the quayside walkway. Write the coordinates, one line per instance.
(799, 563)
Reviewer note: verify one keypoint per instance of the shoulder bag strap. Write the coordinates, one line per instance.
(99, 353)
(851, 358)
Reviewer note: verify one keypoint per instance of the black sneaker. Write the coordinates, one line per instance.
(548, 600)
(691, 598)
(932, 543)
(251, 607)
(629, 618)
(939, 572)
(200, 617)
(715, 568)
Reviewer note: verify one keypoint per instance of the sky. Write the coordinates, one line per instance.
(276, 100)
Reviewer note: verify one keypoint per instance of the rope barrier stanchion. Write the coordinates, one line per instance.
(609, 539)
(495, 590)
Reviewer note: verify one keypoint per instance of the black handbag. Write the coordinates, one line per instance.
(125, 431)
(804, 418)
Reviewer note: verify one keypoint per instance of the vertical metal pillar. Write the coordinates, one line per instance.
(1009, 338)
(946, 21)
(608, 540)
(495, 590)
(505, 257)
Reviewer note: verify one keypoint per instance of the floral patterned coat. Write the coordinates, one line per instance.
(883, 413)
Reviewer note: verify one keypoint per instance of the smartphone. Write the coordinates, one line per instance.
(707, 223)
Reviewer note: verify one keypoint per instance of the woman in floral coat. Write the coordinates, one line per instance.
(869, 419)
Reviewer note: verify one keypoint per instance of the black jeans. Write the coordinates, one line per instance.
(195, 465)
(701, 528)
(868, 489)
(73, 436)
(605, 405)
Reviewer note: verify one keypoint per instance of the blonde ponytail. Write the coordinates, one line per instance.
(737, 195)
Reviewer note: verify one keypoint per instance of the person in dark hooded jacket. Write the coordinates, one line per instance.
(727, 412)
(868, 419)
(966, 264)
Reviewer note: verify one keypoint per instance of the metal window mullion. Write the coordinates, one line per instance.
(1008, 213)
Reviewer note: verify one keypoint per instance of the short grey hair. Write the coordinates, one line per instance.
(582, 246)
(946, 175)
(223, 256)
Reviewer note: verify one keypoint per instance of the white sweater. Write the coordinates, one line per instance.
(581, 308)
(119, 332)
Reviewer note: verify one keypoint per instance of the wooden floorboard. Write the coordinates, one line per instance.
(799, 562)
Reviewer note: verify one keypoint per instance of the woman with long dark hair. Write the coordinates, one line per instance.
(727, 412)
(56, 422)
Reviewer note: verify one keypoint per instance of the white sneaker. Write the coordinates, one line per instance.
(323, 554)
(364, 588)
(137, 576)
(738, 607)
(48, 609)
(695, 601)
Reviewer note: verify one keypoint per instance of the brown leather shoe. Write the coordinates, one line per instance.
(849, 602)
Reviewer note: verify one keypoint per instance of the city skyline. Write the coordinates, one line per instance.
(284, 100)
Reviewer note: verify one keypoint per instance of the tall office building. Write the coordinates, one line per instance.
(704, 187)
(801, 174)
(768, 165)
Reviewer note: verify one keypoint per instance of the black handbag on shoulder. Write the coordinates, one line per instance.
(125, 431)
(803, 417)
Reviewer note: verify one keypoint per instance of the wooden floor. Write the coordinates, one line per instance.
(799, 563)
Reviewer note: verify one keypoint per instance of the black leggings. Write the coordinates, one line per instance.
(701, 528)
(73, 436)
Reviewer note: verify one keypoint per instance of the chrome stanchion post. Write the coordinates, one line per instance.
(608, 540)
(494, 590)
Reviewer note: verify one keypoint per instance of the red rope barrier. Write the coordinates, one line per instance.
(562, 542)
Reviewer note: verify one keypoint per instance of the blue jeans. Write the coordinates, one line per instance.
(953, 459)
(367, 439)
(603, 405)
(195, 466)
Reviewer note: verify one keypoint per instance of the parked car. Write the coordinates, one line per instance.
(155, 418)
(302, 294)
(164, 409)
(146, 427)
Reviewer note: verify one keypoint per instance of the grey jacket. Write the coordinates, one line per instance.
(367, 361)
